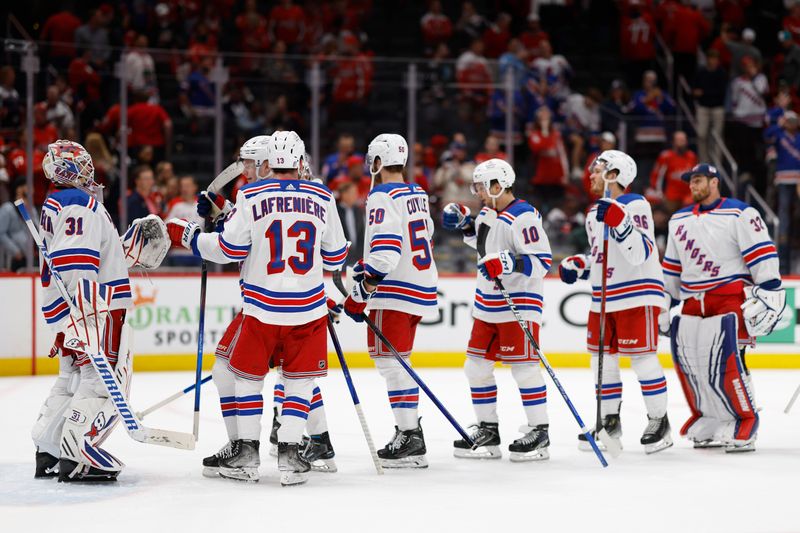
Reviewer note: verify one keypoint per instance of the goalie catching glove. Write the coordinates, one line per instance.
(573, 267)
(763, 309)
(145, 243)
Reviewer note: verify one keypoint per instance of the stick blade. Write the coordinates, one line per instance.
(230, 173)
(163, 437)
(613, 446)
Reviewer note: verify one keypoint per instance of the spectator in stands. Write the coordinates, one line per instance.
(582, 120)
(185, 207)
(515, 60)
(356, 172)
(44, 131)
(197, 91)
(565, 225)
(436, 75)
(58, 32)
(453, 178)
(10, 104)
(140, 201)
(336, 163)
(141, 69)
(497, 36)
(470, 26)
(472, 69)
(550, 168)
(498, 115)
(709, 88)
(791, 59)
(607, 141)
(637, 39)
(683, 28)
(615, 106)
(420, 174)
(491, 150)
(351, 213)
(253, 35)
(651, 106)
(436, 27)
(666, 184)
(105, 166)
(94, 35)
(287, 23)
(281, 117)
(785, 138)
(352, 80)
(13, 232)
(744, 131)
(554, 69)
(85, 81)
(533, 36)
(149, 124)
(727, 33)
(59, 113)
(741, 49)
(279, 73)
(791, 22)
(785, 100)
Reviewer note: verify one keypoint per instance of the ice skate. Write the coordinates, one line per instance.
(741, 446)
(612, 425)
(486, 437)
(211, 463)
(318, 451)
(706, 443)
(292, 465)
(243, 462)
(532, 446)
(405, 450)
(656, 436)
(46, 465)
(71, 472)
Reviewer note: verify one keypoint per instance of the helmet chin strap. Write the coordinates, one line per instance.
(373, 174)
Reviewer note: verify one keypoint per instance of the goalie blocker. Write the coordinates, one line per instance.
(714, 381)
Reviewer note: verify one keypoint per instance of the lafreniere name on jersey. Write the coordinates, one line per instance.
(289, 204)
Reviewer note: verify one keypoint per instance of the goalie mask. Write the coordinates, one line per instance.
(67, 163)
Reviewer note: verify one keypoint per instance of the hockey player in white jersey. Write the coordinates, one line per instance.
(721, 262)
(513, 246)
(78, 415)
(396, 284)
(634, 297)
(284, 231)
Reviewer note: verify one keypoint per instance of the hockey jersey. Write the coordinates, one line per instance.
(634, 277)
(285, 232)
(398, 246)
(83, 243)
(518, 229)
(708, 249)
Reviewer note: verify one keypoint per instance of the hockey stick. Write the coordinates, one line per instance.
(223, 178)
(353, 394)
(612, 445)
(165, 401)
(133, 425)
(794, 399)
(546, 363)
(337, 280)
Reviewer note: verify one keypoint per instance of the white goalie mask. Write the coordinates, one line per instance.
(619, 161)
(68, 163)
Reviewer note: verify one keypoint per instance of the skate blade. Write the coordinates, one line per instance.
(412, 461)
(541, 454)
(273, 450)
(481, 452)
(655, 447)
(743, 448)
(703, 444)
(210, 471)
(327, 466)
(248, 474)
(289, 479)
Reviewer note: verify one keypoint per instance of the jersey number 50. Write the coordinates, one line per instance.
(419, 243)
(306, 234)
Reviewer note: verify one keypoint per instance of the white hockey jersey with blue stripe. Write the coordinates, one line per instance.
(517, 228)
(83, 243)
(634, 277)
(285, 232)
(397, 245)
(710, 248)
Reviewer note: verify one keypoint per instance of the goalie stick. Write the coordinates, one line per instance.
(134, 427)
(337, 280)
(170, 399)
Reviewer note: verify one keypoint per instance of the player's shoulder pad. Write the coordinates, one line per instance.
(289, 186)
(396, 190)
(628, 198)
(61, 198)
(733, 204)
(683, 212)
(517, 209)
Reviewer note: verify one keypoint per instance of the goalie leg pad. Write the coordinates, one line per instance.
(46, 433)
(88, 422)
(711, 372)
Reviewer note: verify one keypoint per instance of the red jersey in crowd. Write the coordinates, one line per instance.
(146, 122)
(485, 156)
(531, 41)
(351, 79)
(83, 79)
(59, 31)
(495, 41)
(44, 135)
(288, 23)
(792, 25)
(666, 175)
(685, 30)
(436, 28)
(551, 157)
(637, 36)
(17, 167)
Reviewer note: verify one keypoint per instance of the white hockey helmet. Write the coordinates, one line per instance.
(491, 170)
(68, 163)
(390, 147)
(256, 148)
(619, 161)
(286, 150)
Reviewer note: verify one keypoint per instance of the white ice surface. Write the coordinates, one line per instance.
(161, 489)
